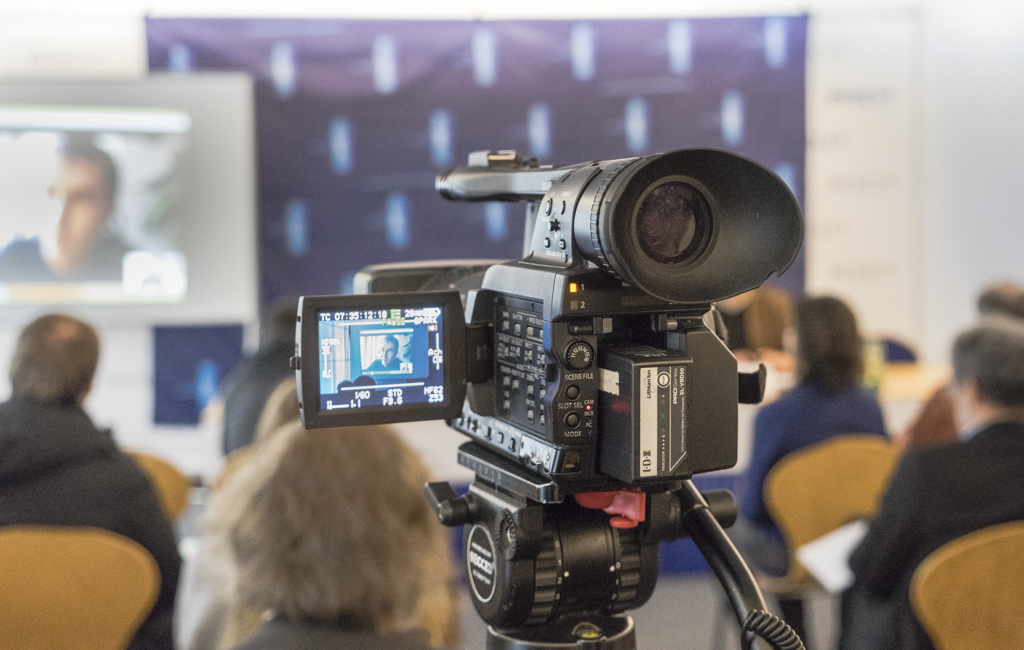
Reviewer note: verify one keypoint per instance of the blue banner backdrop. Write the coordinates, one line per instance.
(355, 118)
(189, 366)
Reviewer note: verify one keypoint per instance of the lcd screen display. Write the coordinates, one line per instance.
(380, 357)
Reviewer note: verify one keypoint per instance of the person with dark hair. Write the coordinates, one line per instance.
(936, 421)
(249, 385)
(58, 469)
(943, 492)
(827, 401)
(1005, 298)
(84, 247)
(330, 544)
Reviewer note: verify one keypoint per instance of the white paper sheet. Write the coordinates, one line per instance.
(828, 557)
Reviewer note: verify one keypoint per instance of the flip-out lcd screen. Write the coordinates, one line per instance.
(386, 357)
(381, 357)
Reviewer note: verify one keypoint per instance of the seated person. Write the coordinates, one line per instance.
(58, 469)
(936, 421)
(942, 492)
(203, 594)
(756, 322)
(333, 545)
(828, 401)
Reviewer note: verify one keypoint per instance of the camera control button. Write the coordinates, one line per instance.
(563, 207)
(581, 328)
(547, 242)
(579, 355)
(553, 225)
(561, 244)
(572, 392)
(572, 420)
(548, 205)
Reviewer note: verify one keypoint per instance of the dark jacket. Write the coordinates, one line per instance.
(247, 388)
(937, 494)
(57, 468)
(281, 635)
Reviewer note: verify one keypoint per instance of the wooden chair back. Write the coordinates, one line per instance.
(969, 594)
(815, 490)
(73, 588)
(171, 485)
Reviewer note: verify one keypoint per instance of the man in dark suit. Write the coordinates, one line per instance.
(943, 492)
(58, 469)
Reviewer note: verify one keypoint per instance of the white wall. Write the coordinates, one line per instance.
(862, 166)
(912, 193)
(908, 219)
(973, 160)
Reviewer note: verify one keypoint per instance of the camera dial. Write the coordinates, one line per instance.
(579, 355)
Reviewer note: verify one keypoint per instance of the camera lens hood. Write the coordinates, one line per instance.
(737, 224)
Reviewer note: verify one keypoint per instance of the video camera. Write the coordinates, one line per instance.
(586, 368)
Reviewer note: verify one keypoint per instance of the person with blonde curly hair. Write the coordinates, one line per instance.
(202, 592)
(332, 545)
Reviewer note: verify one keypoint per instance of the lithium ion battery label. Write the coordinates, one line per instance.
(662, 398)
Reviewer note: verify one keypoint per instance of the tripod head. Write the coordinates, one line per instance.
(551, 570)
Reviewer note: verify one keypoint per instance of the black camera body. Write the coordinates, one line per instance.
(585, 374)
(588, 361)
(586, 391)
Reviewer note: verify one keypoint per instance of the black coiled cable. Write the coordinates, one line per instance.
(772, 629)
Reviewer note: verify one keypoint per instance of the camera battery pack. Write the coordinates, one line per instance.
(644, 406)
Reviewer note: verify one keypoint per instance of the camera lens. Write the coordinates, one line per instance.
(671, 222)
(690, 226)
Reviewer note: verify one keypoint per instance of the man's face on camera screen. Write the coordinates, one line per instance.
(390, 351)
